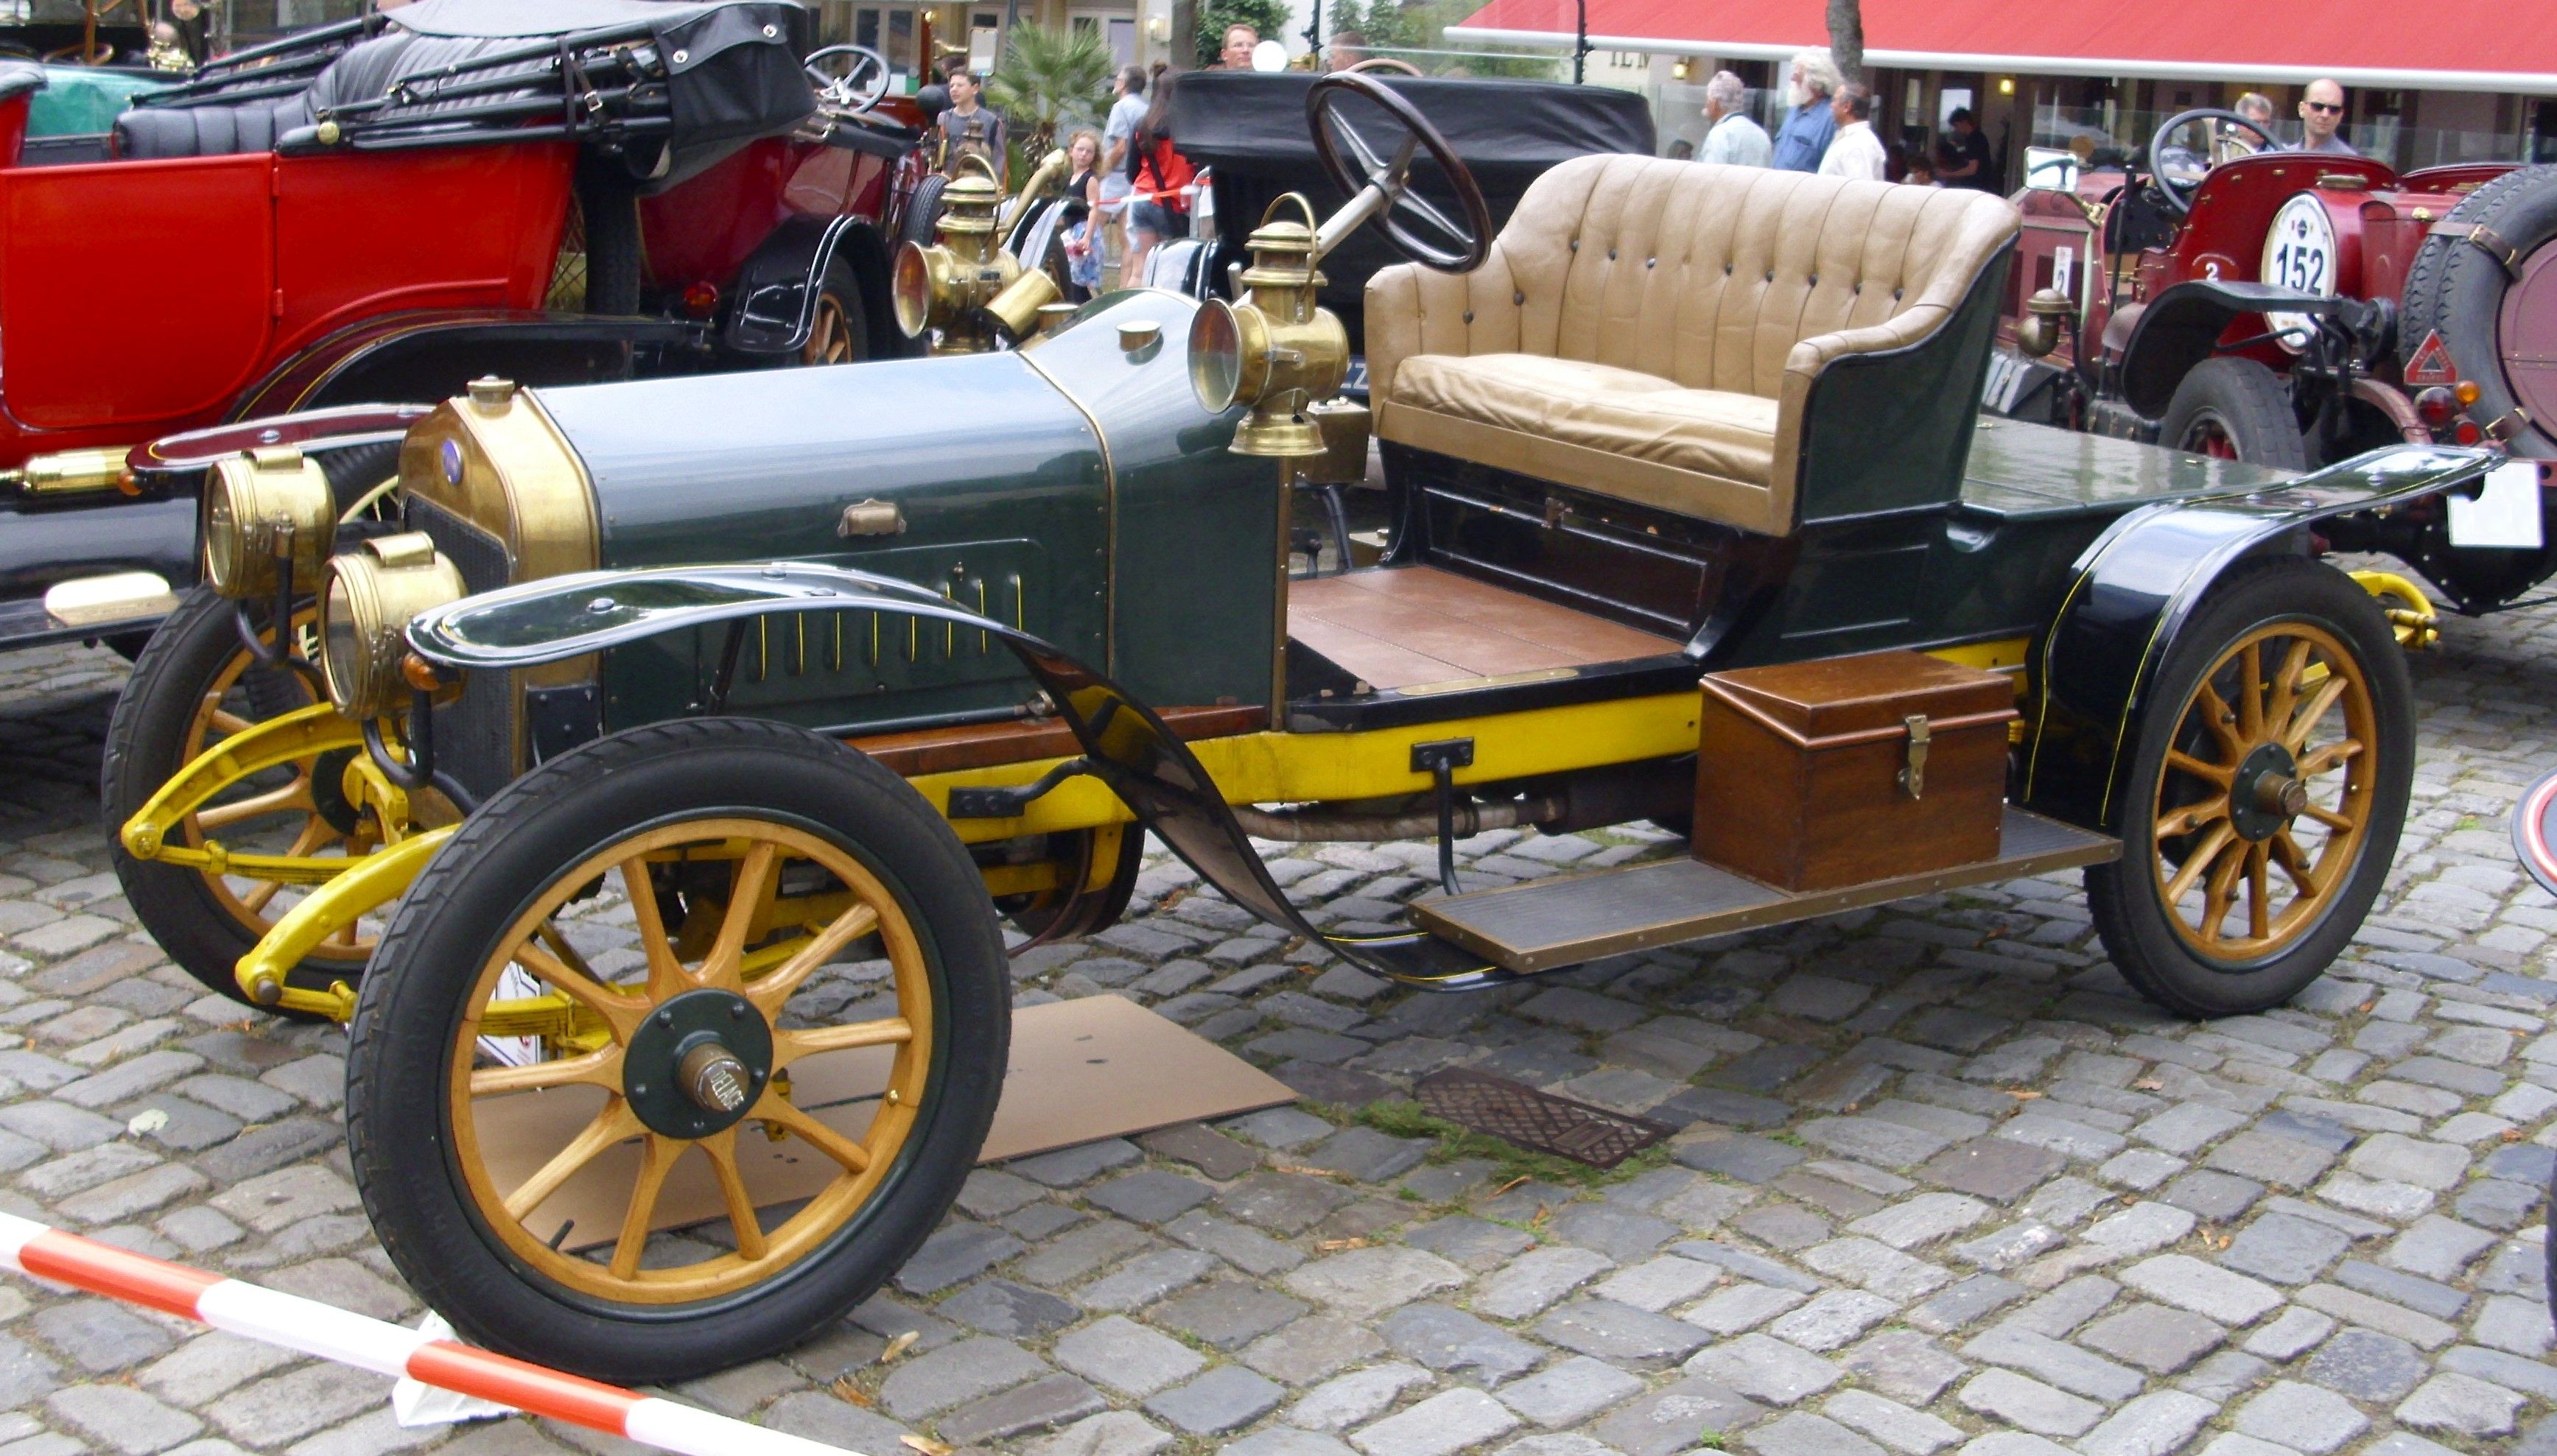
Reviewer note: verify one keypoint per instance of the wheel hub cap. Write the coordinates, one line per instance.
(698, 1063)
(2267, 793)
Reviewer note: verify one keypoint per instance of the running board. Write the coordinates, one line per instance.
(1548, 924)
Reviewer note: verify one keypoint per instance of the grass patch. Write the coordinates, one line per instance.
(1397, 1119)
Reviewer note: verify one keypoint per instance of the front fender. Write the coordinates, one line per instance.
(2140, 582)
(1125, 745)
(433, 355)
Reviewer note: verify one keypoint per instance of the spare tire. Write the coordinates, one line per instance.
(2461, 286)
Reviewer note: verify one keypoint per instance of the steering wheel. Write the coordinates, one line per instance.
(1467, 240)
(1387, 63)
(854, 83)
(2179, 194)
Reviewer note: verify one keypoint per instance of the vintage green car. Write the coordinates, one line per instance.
(596, 812)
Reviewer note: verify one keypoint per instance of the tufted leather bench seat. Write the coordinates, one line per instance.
(365, 72)
(1650, 329)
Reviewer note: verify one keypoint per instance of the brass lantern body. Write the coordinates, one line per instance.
(263, 506)
(1283, 353)
(965, 286)
(374, 592)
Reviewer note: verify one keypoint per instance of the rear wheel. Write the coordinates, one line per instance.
(2494, 321)
(2235, 409)
(838, 334)
(614, 1007)
(2263, 796)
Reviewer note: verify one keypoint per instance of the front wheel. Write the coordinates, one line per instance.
(2235, 409)
(2263, 796)
(719, 977)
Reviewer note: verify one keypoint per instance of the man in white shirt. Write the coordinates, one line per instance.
(1855, 151)
(1731, 137)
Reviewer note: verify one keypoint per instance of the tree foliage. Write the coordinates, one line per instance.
(1048, 80)
(1268, 19)
(1846, 39)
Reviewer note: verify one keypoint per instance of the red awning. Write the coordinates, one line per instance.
(2441, 44)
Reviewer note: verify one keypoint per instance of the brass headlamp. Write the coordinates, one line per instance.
(2039, 333)
(261, 507)
(965, 284)
(374, 592)
(1275, 349)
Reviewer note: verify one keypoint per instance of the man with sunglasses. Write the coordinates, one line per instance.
(2321, 117)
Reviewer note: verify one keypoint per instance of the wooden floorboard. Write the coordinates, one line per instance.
(1402, 626)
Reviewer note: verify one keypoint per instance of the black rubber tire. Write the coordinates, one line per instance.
(2130, 916)
(400, 1042)
(616, 259)
(842, 285)
(144, 739)
(2459, 289)
(1092, 913)
(922, 212)
(2248, 401)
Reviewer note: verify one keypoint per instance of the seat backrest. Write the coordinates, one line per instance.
(1709, 275)
(363, 73)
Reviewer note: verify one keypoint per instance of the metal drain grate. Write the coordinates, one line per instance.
(1539, 1122)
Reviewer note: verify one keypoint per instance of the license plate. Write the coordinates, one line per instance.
(2505, 511)
(1355, 381)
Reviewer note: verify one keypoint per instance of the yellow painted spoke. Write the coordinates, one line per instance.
(2259, 892)
(2220, 720)
(622, 1012)
(666, 975)
(2294, 862)
(2191, 817)
(2183, 762)
(2295, 733)
(720, 1149)
(656, 1160)
(770, 993)
(292, 795)
(313, 833)
(2286, 683)
(557, 939)
(790, 1046)
(2250, 692)
(2221, 889)
(228, 722)
(616, 1123)
(599, 1068)
(2326, 760)
(753, 882)
(2199, 861)
(2330, 817)
(775, 1109)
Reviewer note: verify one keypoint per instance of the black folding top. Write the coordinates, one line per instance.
(517, 19)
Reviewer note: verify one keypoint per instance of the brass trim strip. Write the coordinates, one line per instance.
(1110, 510)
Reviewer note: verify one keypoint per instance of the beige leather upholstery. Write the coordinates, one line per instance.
(1650, 329)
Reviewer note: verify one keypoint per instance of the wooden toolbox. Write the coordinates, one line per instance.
(1816, 775)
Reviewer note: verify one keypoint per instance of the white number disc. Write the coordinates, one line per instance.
(2299, 254)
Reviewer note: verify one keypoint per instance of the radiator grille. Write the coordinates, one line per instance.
(475, 735)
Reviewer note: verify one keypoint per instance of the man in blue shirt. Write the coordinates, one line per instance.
(1804, 137)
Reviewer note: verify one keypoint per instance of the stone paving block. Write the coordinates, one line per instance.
(1149, 1196)
(1534, 1280)
(2188, 1283)
(1877, 1267)
(1146, 1278)
(2354, 1307)
(1203, 1147)
(1972, 1299)
(2028, 1403)
(1796, 1433)
(1125, 1355)
(1658, 1283)
(2284, 1249)
(1354, 1398)
(1619, 1333)
(1039, 1405)
(2152, 1425)
(2153, 1337)
(926, 1384)
(1891, 1423)
(1677, 1417)
(1012, 1311)
(1832, 1319)
(1747, 1158)
(1994, 1169)
(1225, 1399)
(1569, 1391)
(2055, 1360)
(2462, 1405)
(1452, 1342)
(2302, 1418)
(1068, 1166)
(1438, 1426)
(2219, 1197)
(1365, 1283)
(957, 1252)
(1923, 1219)
(1282, 1203)
(1764, 1369)
(1311, 1348)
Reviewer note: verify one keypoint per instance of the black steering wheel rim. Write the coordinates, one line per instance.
(1473, 232)
(838, 88)
(2179, 198)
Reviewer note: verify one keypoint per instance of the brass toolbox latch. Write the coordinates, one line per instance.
(1913, 776)
(871, 517)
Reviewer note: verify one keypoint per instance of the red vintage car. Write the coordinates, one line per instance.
(385, 209)
(2294, 308)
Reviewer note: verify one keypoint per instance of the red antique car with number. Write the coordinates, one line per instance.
(2293, 308)
(384, 208)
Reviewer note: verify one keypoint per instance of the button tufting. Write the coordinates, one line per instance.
(1518, 299)
(1575, 244)
(1469, 315)
(1651, 262)
(1611, 255)
(1813, 282)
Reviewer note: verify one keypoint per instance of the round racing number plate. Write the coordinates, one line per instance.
(2299, 254)
(2535, 832)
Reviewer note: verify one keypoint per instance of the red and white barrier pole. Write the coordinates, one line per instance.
(335, 1334)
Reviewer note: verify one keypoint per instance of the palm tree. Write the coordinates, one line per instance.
(1048, 78)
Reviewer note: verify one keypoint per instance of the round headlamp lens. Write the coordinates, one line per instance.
(222, 534)
(374, 593)
(911, 290)
(341, 644)
(1216, 356)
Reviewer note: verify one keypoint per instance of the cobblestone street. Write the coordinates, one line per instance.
(1944, 1182)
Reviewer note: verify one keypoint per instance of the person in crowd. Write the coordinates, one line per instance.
(1237, 52)
(1919, 170)
(2322, 119)
(1081, 220)
(2228, 142)
(1804, 137)
(1855, 151)
(1127, 111)
(1158, 179)
(1730, 137)
(1348, 49)
(1962, 155)
(968, 127)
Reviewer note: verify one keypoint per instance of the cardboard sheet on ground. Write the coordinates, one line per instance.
(1081, 1070)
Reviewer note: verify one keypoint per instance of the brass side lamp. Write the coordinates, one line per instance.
(262, 507)
(2039, 333)
(1275, 349)
(965, 285)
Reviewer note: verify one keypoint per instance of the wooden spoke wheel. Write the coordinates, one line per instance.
(2263, 799)
(839, 330)
(193, 687)
(711, 1015)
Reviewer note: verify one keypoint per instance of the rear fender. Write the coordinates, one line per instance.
(2138, 585)
(775, 293)
(1126, 746)
(435, 354)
